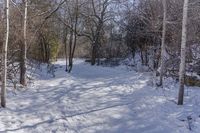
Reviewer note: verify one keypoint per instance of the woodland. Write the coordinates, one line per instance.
(76, 55)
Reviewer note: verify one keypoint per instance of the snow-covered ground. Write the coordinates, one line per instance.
(100, 100)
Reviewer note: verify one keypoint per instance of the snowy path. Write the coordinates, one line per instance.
(91, 100)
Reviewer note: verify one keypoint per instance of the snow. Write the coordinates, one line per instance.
(193, 74)
(95, 99)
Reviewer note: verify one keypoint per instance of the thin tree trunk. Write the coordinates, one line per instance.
(75, 38)
(183, 53)
(163, 43)
(66, 57)
(72, 53)
(5, 47)
(48, 52)
(146, 56)
(98, 54)
(43, 50)
(24, 49)
(141, 55)
(93, 59)
(70, 49)
(65, 43)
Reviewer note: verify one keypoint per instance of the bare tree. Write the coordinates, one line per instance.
(65, 47)
(95, 16)
(5, 48)
(24, 48)
(73, 35)
(183, 53)
(163, 42)
(70, 22)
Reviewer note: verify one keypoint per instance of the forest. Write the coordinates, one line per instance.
(100, 66)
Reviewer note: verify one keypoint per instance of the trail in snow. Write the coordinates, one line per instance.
(95, 100)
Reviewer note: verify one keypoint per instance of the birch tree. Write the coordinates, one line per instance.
(24, 47)
(183, 53)
(4, 60)
(163, 42)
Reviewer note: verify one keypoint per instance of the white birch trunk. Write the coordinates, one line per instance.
(4, 61)
(183, 53)
(163, 42)
(24, 48)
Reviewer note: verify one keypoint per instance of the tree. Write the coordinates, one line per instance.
(5, 48)
(24, 48)
(163, 42)
(65, 34)
(183, 53)
(73, 34)
(70, 21)
(95, 17)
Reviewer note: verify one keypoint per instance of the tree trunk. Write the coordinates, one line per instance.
(163, 43)
(141, 55)
(65, 43)
(70, 50)
(24, 49)
(72, 54)
(75, 39)
(5, 47)
(98, 55)
(183, 53)
(93, 59)
(146, 57)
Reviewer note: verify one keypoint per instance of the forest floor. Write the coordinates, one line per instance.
(95, 99)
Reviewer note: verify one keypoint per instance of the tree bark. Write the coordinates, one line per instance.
(93, 57)
(183, 53)
(163, 43)
(70, 50)
(141, 55)
(75, 38)
(5, 47)
(24, 49)
(66, 52)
